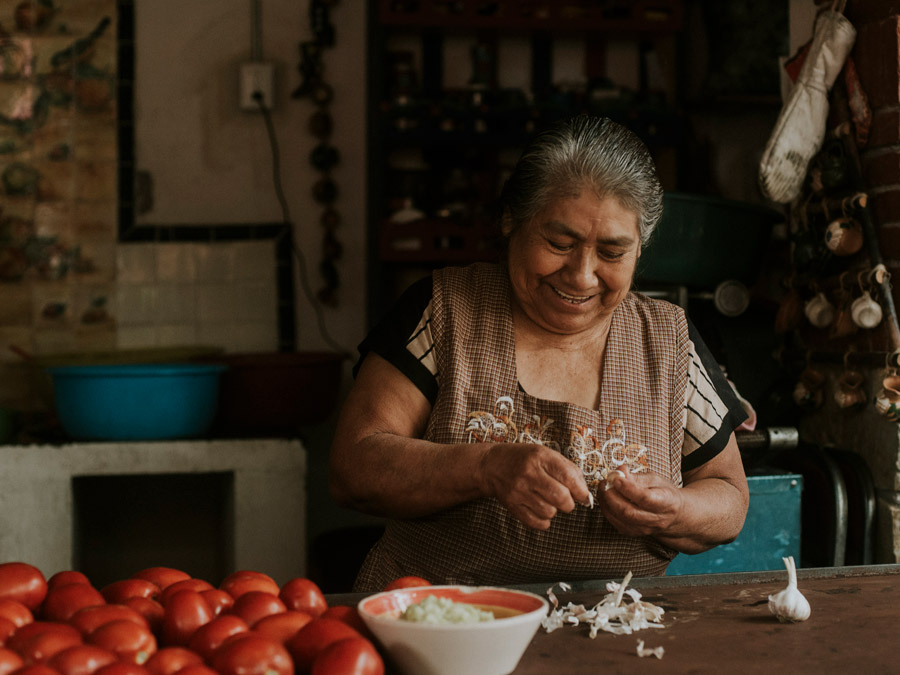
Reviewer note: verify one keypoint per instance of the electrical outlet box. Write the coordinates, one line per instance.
(257, 78)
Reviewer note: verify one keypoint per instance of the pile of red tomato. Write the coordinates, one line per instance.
(162, 621)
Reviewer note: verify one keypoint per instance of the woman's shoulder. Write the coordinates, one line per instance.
(471, 274)
(640, 305)
(473, 284)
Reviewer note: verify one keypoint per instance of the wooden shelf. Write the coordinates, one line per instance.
(435, 240)
(624, 16)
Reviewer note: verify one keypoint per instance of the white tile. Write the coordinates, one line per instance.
(255, 302)
(136, 263)
(216, 334)
(254, 261)
(177, 335)
(136, 337)
(255, 337)
(136, 304)
(214, 262)
(176, 262)
(177, 304)
(215, 302)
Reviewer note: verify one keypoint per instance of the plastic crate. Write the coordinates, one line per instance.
(770, 533)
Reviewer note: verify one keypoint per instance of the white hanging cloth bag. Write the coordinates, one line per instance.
(800, 129)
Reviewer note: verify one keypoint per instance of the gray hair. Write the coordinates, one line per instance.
(580, 152)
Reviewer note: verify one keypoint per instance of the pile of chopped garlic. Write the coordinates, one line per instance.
(611, 614)
(443, 610)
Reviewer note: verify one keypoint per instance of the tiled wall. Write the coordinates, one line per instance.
(220, 294)
(67, 283)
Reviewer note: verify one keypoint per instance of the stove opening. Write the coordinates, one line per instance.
(124, 523)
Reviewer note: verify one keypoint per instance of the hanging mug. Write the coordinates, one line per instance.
(808, 390)
(866, 311)
(844, 236)
(887, 401)
(843, 325)
(790, 312)
(849, 391)
(819, 311)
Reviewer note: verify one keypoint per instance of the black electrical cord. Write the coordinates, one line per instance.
(288, 231)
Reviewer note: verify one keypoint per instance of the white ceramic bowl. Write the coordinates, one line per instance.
(486, 648)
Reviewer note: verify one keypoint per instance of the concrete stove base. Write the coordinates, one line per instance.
(268, 502)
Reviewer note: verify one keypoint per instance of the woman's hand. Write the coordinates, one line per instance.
(533, 482)
(707, 511)
(640, 504)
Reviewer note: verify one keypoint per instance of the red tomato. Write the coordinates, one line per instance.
(36, 669)
(122, 668)
(255, 605)
(127, 639)
(185, 612)
(16, 612)
(218, 601)
(161, 576)
(170, 660)
(9, 661)
(350, 616)
(353, 656)
(183, 585)
(308, 642)
(406, 582)
(151, 610)
(303, 595)
(282, 626)
(246, 574)
(20, 638)
(89, 619)
(210, 636)
(81, 659)
(63, 601)
(7, 628)
(123, 589)
(65, 578)
(196, 669)
(241, 582)
(252, 655)
(44, 645)
(23, 583)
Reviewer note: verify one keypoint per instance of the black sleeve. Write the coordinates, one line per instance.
(391, 335)
(734, 411)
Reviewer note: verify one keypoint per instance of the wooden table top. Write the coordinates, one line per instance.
(722, 623)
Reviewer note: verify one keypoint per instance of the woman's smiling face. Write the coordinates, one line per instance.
(572, 265)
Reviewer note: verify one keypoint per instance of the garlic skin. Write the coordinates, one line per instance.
(790, 605)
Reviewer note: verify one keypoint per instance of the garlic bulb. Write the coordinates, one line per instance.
(789, 605)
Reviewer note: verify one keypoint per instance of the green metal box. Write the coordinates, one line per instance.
(771, 531)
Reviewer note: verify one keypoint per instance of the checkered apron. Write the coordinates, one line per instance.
(643, 384)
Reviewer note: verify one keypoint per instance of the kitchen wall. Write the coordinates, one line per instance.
(210, 163)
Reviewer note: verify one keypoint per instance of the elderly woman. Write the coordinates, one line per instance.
(536, 420)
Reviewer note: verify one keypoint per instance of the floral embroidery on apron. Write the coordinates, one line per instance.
(597, 461)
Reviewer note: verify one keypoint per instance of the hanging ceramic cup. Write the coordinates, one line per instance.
(843, 322)
(887, 401)
(808, 390)
(849, 392)
(866, 311)
(844, 236)
(790, 312)
(819, 311)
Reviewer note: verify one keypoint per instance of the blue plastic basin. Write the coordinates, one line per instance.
(136, 402)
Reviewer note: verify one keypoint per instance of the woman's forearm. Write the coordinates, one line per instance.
(388, 475)
(713, 514)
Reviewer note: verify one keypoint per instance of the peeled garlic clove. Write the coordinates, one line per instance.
(790, 605)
